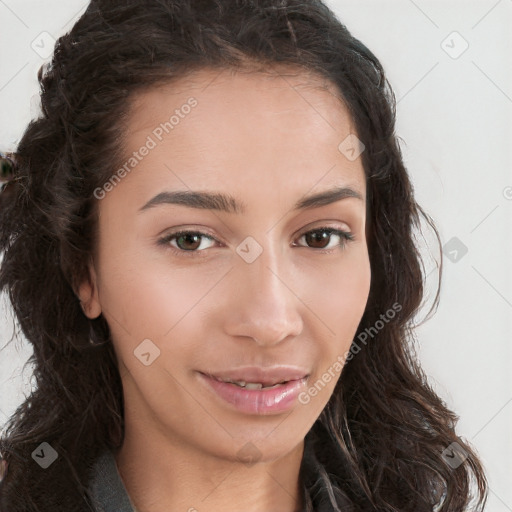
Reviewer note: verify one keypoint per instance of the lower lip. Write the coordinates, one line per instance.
(257, 401)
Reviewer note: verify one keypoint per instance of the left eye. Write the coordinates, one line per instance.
(320, 235)
(192, 241)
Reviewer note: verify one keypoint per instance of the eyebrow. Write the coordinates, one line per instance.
(227, 203)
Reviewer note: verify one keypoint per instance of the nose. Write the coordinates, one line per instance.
(263, 304)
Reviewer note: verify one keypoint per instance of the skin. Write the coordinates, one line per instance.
(267, 140)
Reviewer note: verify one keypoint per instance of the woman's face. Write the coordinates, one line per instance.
(269, 285)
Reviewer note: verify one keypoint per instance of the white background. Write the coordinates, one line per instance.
(454, 119)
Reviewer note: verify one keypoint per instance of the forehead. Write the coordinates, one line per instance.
(241, 129)
(246, 78)
(256, 99)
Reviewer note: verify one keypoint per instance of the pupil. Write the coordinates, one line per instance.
(189, 237)
(318, 236)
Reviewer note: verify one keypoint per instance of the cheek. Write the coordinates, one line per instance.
(150, 300)
(338, 295)
(338, 308)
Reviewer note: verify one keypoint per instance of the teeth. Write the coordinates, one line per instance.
(274, 386)
(250, 385)
(253, 385)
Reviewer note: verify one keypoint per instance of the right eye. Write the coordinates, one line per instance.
(185, 242)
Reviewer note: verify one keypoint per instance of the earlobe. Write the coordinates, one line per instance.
(88, 295)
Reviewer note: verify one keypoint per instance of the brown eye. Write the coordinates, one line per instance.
(189, 241)
(186, 241)
(321, 238)
(318, 239)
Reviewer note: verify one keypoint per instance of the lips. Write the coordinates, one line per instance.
(257, 390)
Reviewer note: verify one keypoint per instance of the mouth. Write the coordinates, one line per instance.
(258, 377)
(255, 391)
(252, 385)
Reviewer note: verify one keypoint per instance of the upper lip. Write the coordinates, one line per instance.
(266, 376)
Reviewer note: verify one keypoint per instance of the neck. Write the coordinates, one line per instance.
(181, 479)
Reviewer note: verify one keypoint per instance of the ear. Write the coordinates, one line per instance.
(88, 295)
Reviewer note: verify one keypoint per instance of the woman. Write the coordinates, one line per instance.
(208, 241)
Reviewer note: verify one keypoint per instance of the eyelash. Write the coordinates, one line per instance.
(345, 236)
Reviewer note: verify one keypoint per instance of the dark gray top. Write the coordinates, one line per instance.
(107, 488)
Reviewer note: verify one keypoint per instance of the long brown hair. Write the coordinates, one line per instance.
(378, 445)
